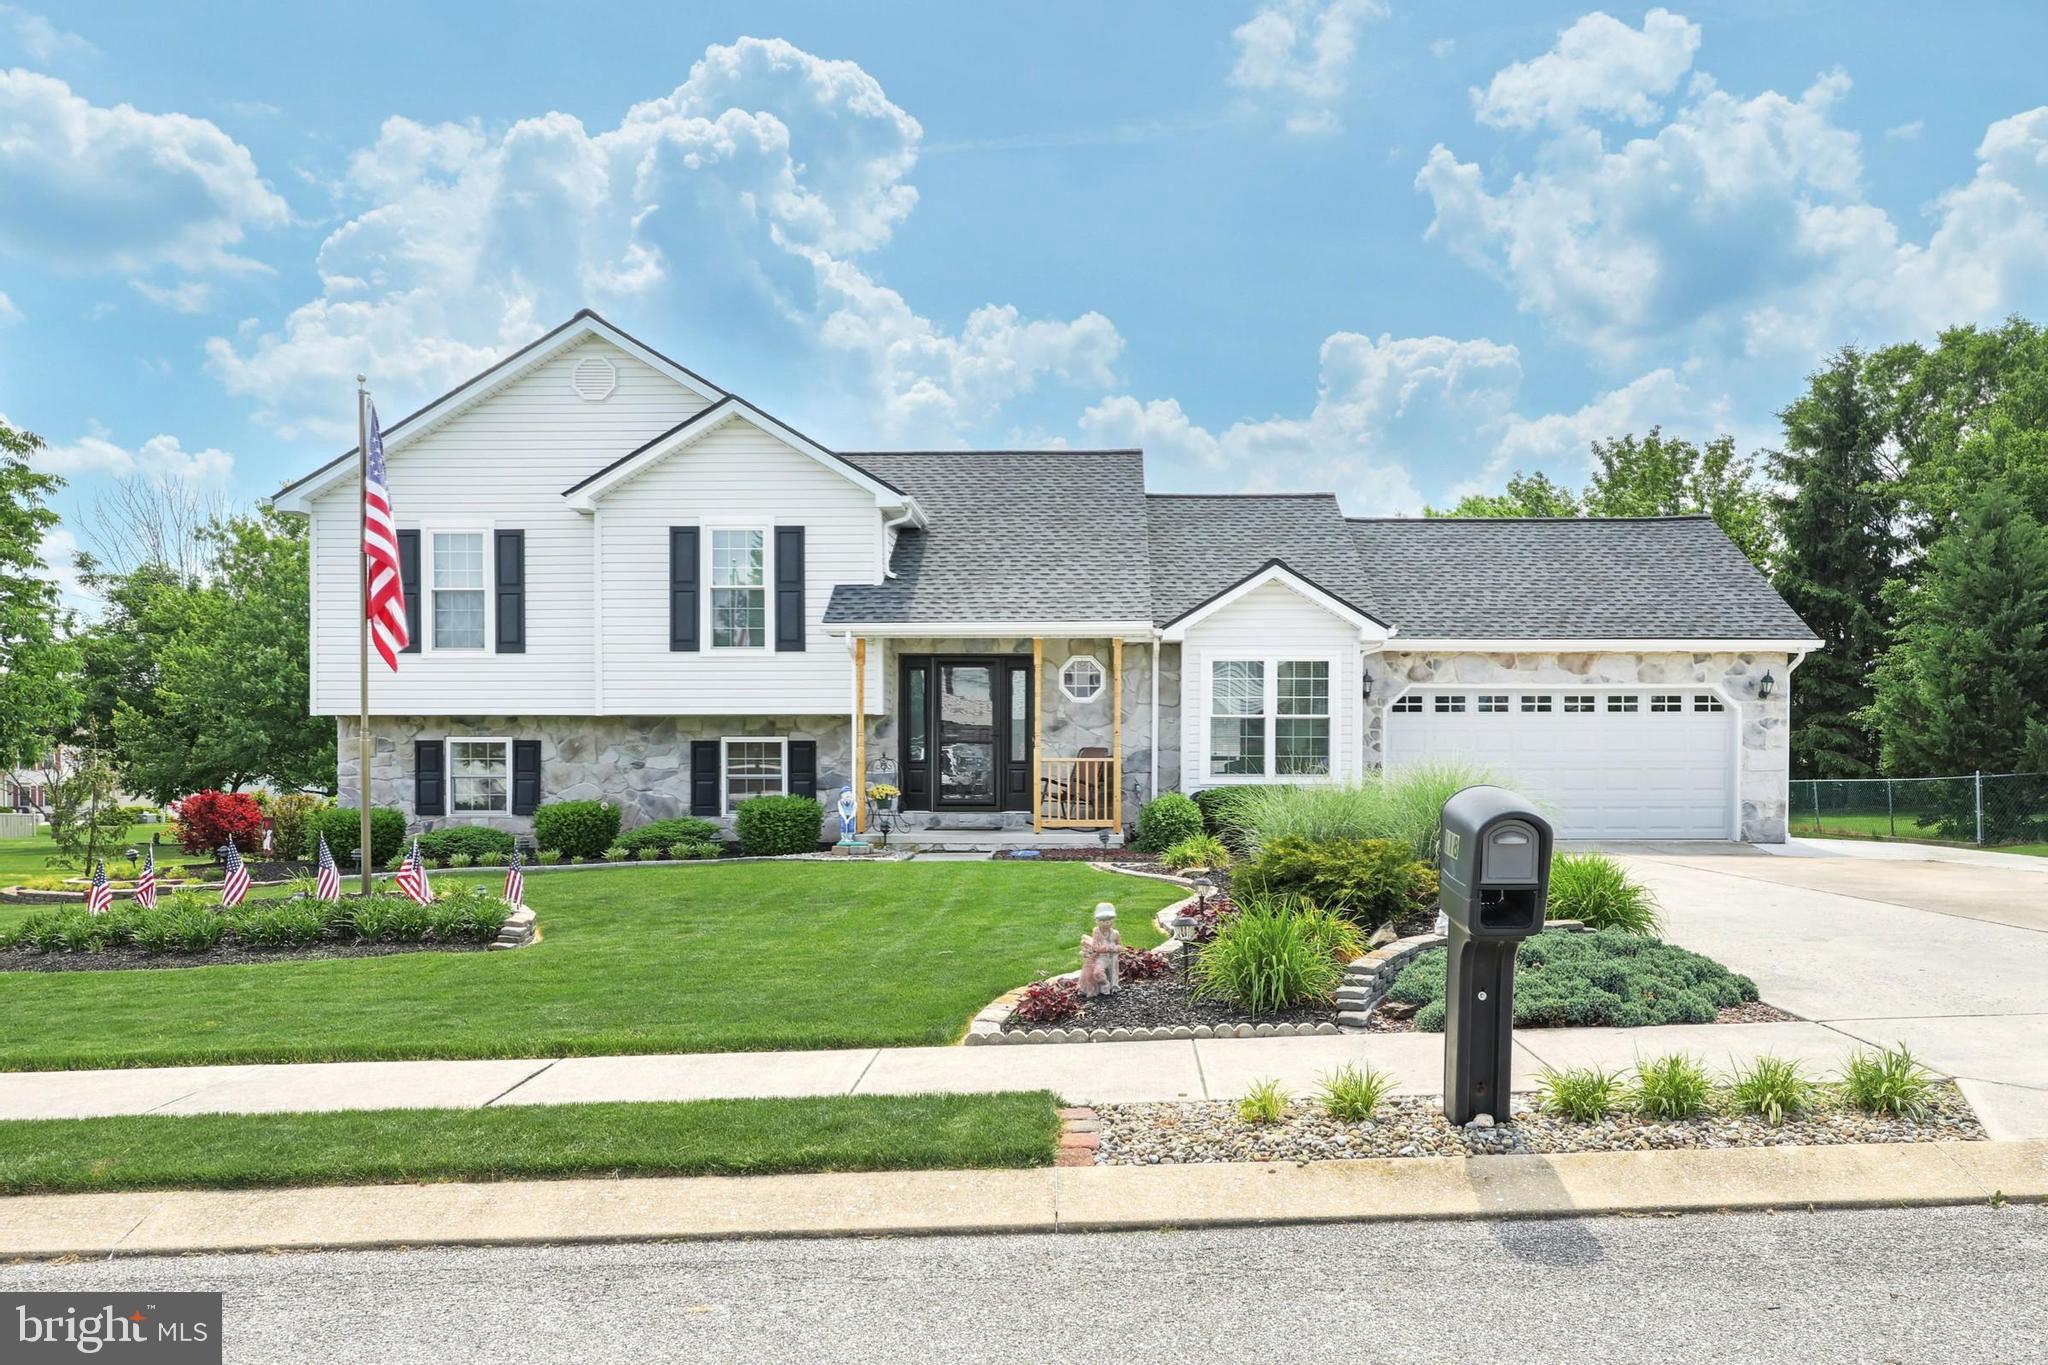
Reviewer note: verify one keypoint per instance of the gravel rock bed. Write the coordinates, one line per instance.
(1211, 1131)
(1163, 1003)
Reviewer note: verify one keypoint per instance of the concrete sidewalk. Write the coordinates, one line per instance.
(1084, 1073)
(1086, 1198)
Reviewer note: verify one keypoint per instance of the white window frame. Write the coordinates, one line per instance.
(427, 643)
(709, 534)
(1101, 679)
(448, 770)
(1270, 713)
(725, 802)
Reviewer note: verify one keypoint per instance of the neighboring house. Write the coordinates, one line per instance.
(626, 583)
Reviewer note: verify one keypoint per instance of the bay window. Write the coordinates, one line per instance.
(1269, 718)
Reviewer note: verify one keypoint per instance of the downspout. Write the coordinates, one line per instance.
(1152, 790)
(909, 514)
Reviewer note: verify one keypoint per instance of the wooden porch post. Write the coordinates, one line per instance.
(860, 736)
(1116, 732)
(1037, 734)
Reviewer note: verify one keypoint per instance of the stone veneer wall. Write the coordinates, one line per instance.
(1766, 724)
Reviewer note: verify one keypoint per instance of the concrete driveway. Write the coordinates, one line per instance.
(1949, 957)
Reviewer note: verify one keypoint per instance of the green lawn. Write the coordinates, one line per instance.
(704, 1137)
(680, 959)
(31, 857)
(1846, 826)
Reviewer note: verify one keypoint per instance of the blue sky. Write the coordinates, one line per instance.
(1388, 249)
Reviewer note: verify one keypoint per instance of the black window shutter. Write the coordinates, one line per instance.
(704, 777)
(682, 587)
(803, 767)
(429, 777)
(409, 581)
(525, 776)
(789, 588)
(510, 557)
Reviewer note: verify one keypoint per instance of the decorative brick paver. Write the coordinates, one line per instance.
(1080, 1137)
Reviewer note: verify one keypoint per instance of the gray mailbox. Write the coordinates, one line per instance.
(1493, 872)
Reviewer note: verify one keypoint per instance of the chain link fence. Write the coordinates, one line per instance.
(1985, 809)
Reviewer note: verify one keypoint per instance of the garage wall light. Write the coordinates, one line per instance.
(1763, 688)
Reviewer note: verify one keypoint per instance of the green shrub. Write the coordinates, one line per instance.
(581, 829)
(1199, 850)
(192, 925)
(1671, 1087)
(343, 827)
(1219, 807)
(291, 815)
(1263, 959)
(650, 854)
(465, 914)
(664, 834)
(482, 846)
(548, 857)
(1586, 1094)
(1888, 1082)
(693, 852)
(1593, 889)
(615, 854)
(1265, 1102)
(771, 825)
(1164, 821)
(460, 860)
(1371, 881)
(1771, 1088)
(1351, 1094)
(277, 924)
(1606, 979)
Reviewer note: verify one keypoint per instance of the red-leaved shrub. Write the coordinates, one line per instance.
(1049, 1001)
(208, 819)
(1139, 964)
(1206, 921)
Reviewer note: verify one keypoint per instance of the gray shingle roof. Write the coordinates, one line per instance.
(1675, 578)
(1049, 535)
(1205, 545)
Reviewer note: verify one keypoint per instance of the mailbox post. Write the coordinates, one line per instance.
(1494, 874)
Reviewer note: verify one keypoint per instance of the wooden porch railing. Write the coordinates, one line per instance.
(1078, 793)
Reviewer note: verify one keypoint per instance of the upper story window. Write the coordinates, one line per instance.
(458, 589)
(1082, 678)
(739, 589)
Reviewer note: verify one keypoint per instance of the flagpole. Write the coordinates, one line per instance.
(363, 624)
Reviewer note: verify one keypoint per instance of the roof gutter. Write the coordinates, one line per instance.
(1607, 644)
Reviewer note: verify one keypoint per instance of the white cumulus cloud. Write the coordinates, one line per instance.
(42, 39)
(96, 188)
(1298, 54)
(1599, 66)
(753, 189)
(161, 458)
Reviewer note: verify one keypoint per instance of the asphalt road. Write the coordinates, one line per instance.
(1938, 1285)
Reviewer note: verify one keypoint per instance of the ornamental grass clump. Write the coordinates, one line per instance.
(1888, 1082)
(1772, 1088)
(1593, 889)
(1200, 850)
(1351, 1094)
(1265, 1102)
(1584, 1094)
(1265, 958)
(1670, 1087)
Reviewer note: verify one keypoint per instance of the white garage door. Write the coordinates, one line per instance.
(1644, 764)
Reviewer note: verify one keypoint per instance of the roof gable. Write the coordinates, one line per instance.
(1275, 571)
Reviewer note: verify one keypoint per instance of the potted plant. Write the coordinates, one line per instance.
(884, 796)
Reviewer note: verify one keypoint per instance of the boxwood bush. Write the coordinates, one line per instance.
(1166, 820)
(664, 834)
(1369, 881)
(1608, 979)
(769, 825)
(581, 829)
(343, 827)
(482, 846)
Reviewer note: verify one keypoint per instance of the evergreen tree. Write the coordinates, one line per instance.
(1838, 546)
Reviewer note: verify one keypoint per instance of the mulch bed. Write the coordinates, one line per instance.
(1163, 1003)
(127, 957)
(1212, 1131)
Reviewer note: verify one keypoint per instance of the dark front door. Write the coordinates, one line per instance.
(965, 732)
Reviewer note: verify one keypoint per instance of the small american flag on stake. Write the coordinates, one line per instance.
(101, 898)
(515, 880)
(327, 886)
(235, 884)
(412, 878)
(145, 885)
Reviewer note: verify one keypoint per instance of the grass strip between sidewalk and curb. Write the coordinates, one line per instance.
(382, 1146)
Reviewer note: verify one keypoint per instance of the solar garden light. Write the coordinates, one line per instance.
(1185, 927)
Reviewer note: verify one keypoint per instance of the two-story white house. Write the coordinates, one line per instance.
(627, 583)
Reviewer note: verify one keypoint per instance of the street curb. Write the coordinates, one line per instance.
(1058, 1199)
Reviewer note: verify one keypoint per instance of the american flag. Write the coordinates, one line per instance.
(235, 884)
(145, 885)
(328, 885)
(515, 881)
(412, 878)
(100, 899)
(388, 630)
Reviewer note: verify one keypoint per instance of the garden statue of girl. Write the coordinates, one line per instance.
(1099, 952)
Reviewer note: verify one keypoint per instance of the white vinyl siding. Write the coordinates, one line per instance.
(1306, 719)
(500, 464)
(736, 476)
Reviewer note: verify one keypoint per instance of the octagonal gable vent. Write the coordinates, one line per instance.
(594, 378)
